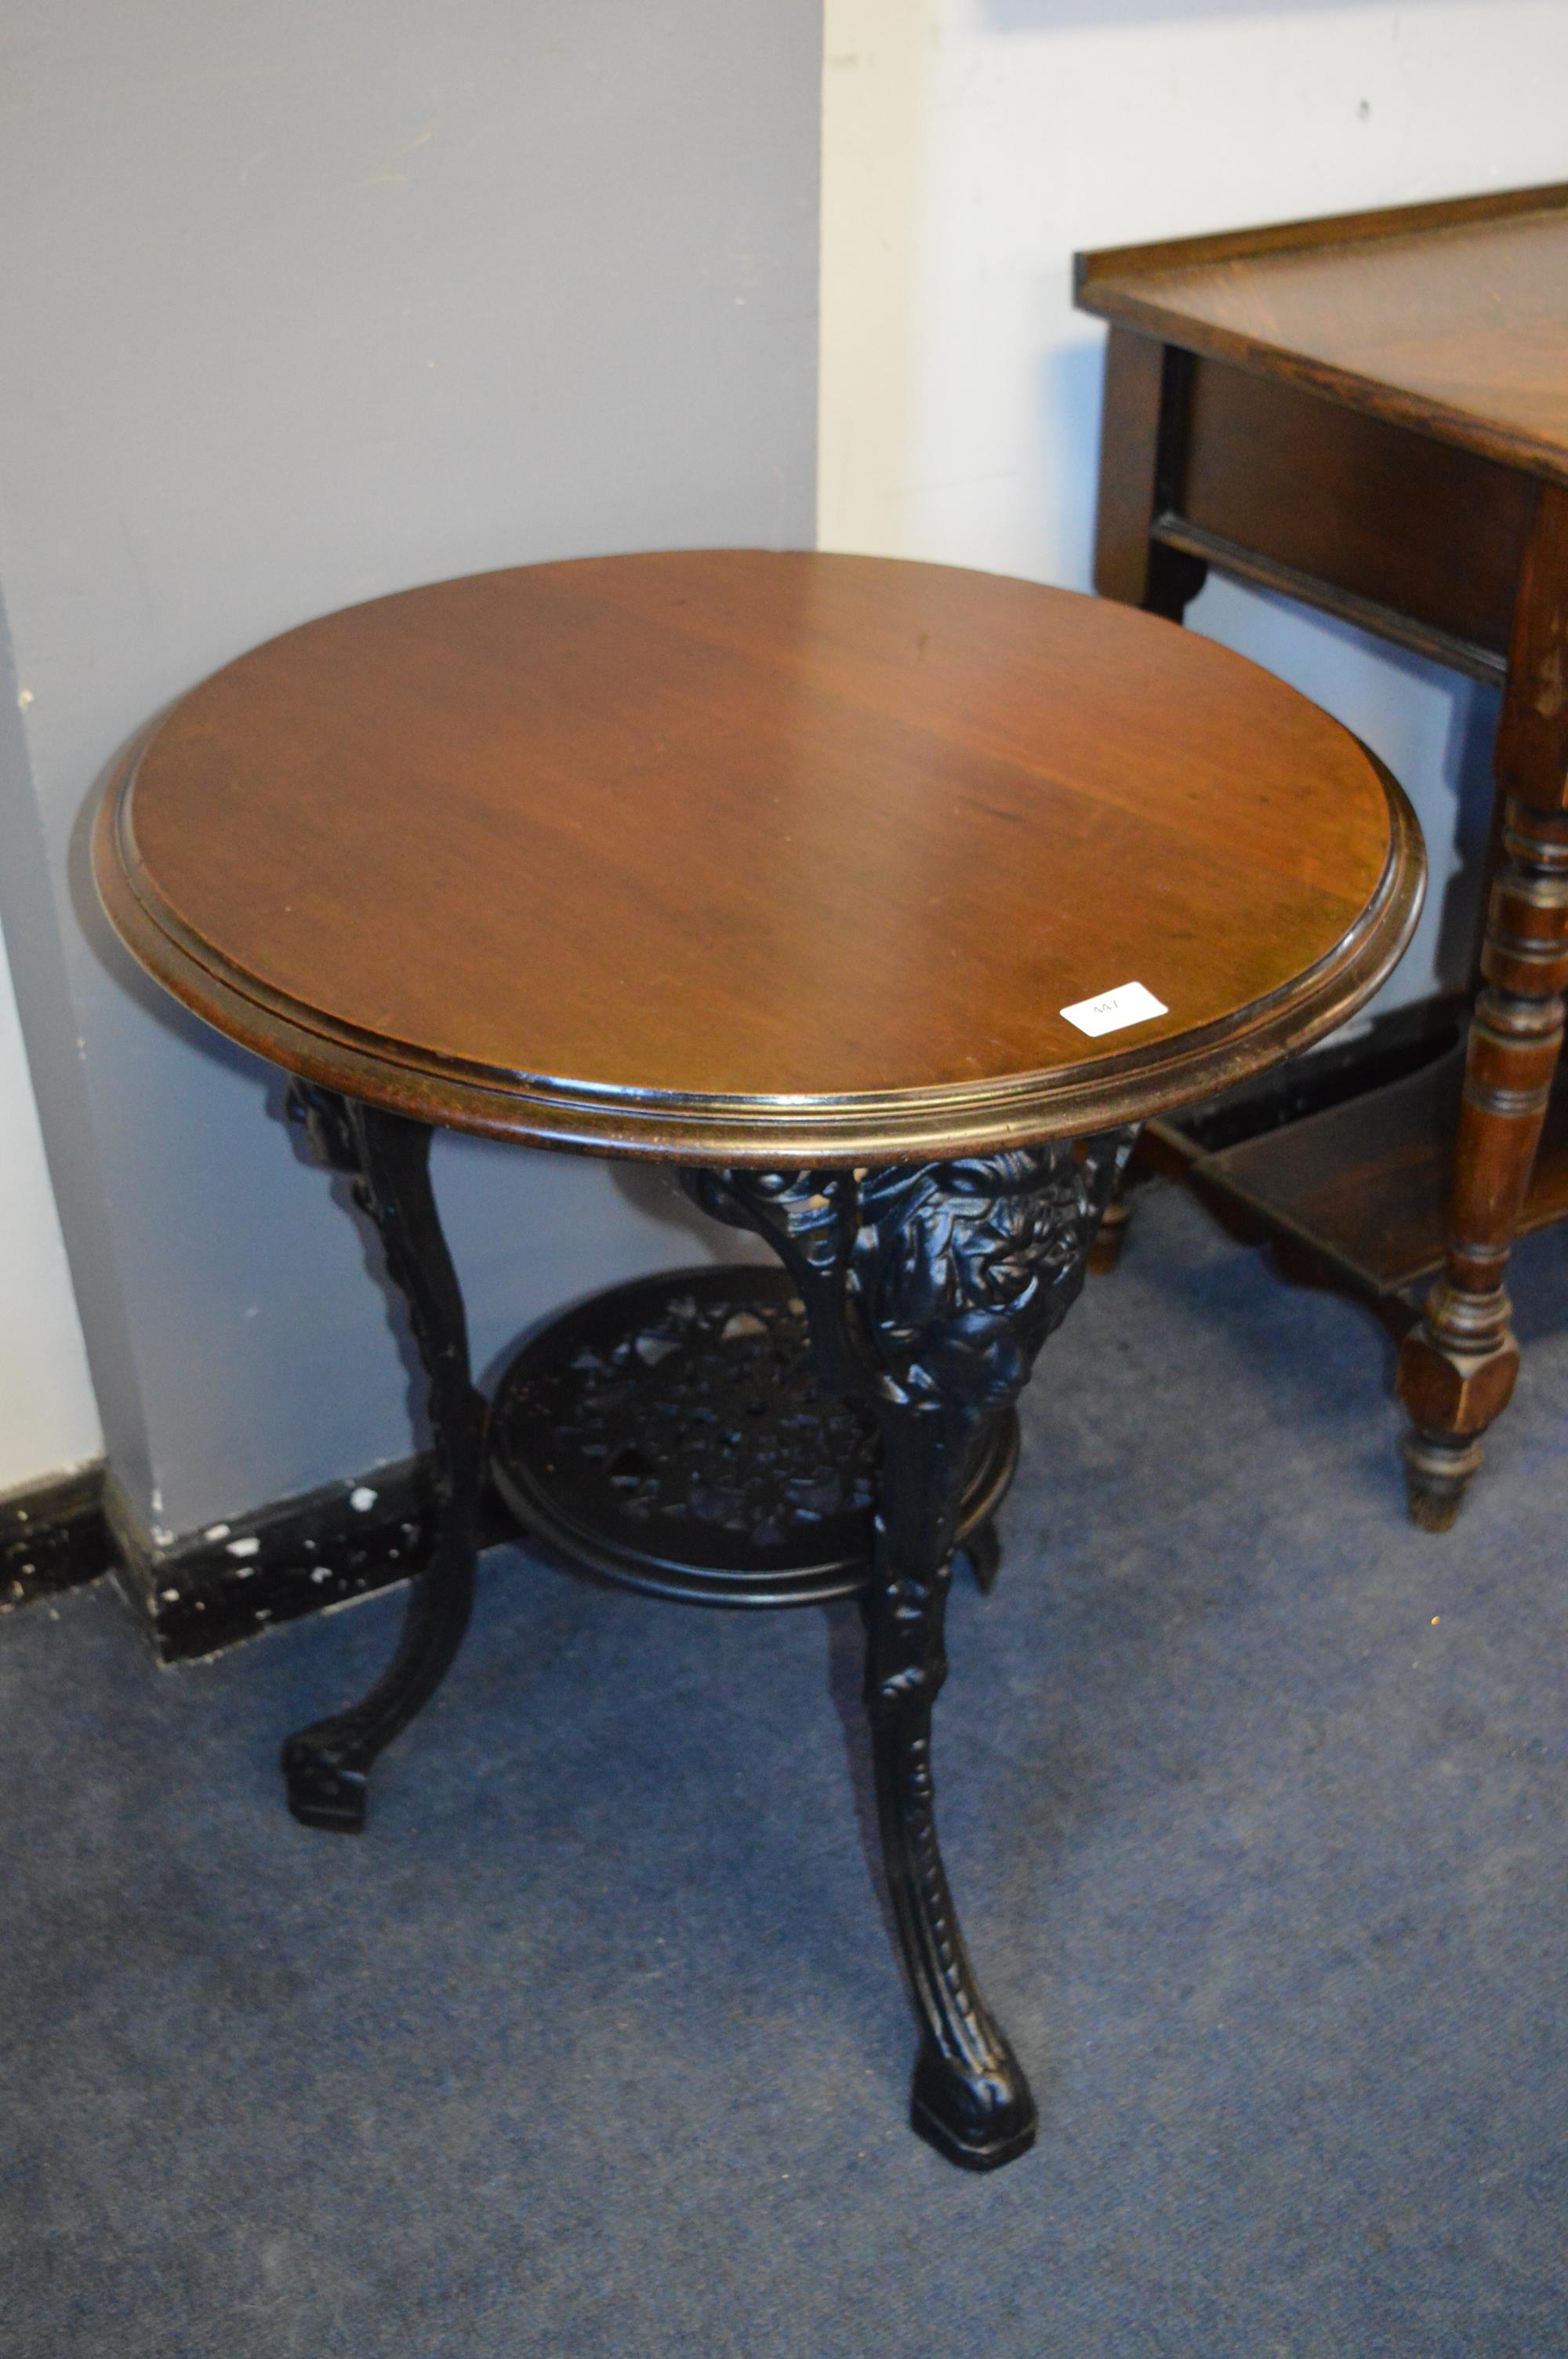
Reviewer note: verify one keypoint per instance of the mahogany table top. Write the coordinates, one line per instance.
(1451, 316)
(731, 856)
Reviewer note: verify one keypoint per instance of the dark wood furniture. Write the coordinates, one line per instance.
(779, 869)
(1371, 414)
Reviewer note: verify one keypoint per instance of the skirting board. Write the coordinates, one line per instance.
(53, 1536)
(209, 1590)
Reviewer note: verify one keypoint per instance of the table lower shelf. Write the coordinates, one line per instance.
(669, 1434)
(1361, 1189)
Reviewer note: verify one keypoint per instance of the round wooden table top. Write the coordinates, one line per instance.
(738, 856)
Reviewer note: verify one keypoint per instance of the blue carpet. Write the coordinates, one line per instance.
(1254, 1801)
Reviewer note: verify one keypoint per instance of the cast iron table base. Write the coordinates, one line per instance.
(829, 881)
(672, 1435)
(927, 1289)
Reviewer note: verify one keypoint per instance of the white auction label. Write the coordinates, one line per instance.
(1110, 1010)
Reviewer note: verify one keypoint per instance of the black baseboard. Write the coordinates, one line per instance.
(210, 1589)
(53, 1536)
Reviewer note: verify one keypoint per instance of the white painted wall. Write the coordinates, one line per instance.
(970, 146)
(49, 1420)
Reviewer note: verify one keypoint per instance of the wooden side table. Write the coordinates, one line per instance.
(859, 892)
(1371, 414)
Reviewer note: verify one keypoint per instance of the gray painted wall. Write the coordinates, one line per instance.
(305, 304)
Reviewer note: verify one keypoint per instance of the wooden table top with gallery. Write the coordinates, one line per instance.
(1371, 414)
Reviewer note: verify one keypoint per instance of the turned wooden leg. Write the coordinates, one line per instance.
(930, 1288)
(1457, 1367)
(1111, 1234)
(388, 1159)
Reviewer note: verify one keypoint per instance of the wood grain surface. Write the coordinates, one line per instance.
(1452, 318)
(743, 857)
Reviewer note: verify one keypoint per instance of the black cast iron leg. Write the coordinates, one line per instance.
(388, 1159)
(971, 2098)
(930, 1289)
(983, 1550)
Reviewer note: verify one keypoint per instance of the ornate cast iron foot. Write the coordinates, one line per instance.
(930, 1288)
(978, 2121)
(388, 1160)
(320, 1794)
(983, 1550)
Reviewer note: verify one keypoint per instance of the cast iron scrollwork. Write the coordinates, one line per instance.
(931, 1288)
(387, 1159)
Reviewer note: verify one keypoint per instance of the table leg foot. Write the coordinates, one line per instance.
(1437, 1475)
(978, 2121)
(930, 1289)
(388, 1160)
(321, 1793)
(982, 1550)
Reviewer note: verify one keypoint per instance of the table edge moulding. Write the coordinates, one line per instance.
(756, 1128)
